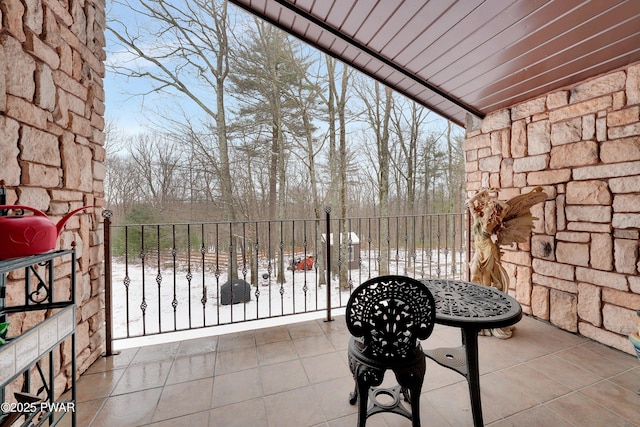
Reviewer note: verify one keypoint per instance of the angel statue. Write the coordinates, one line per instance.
(497, 223)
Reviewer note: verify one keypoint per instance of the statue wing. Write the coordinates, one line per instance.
(518, 221)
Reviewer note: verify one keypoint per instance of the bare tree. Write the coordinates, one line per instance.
(408, 120)
(268, 68)
(122, 184)
(378, 104)
(455, 167)
(157, 159)
(181, 49)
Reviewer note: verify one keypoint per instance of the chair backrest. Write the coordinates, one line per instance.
(391, 313)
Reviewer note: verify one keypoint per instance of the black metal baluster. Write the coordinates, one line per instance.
(397, 259)
(328, 243)
(388, 239)
(143, 304)
(281, 274)
(430, 255)
(269, 264)
(293, 264)
(189, 274)
(203, 300)
(438, 235)
(257, 269)
(159, 281)
(174, 301)
(446, 246)
(216, 273)
(317, 232)
(231, 274)
(243, 252)
(305, 286)
(453, 247)
(351, 255)
(422, 244)
(369, 241)
(127, 279)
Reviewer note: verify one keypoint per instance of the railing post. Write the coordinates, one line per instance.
(467, 212)
(327, 210)
(108, 312)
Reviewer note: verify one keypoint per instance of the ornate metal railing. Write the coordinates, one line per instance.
(174, 277)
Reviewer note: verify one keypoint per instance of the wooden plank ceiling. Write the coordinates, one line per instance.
(459, 56)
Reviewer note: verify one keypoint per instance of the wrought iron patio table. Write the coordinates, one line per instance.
(470, 307)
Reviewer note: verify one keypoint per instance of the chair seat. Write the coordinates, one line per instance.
(357, 351)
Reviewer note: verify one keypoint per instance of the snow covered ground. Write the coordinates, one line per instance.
(176, 300)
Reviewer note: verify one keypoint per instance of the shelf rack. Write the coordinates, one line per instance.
(22, 353)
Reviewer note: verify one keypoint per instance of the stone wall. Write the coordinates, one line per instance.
(580, 270)
(52, 145)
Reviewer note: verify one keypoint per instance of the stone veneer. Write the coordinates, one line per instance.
(582, 145)
(52, 146)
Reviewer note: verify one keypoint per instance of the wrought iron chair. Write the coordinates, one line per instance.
(386, 316)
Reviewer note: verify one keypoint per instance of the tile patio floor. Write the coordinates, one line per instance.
(297, 376)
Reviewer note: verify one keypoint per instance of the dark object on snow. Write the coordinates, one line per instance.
(241, 292)
(299, 264)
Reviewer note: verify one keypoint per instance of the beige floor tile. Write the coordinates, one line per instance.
(85, 413)
(199, 419)
(313, 345)
(513, 390)
(156, 353)
(535, 417)
(270, 335)
(236, 387)
(294, 408)
(184, 398)
(192, 367)
(452, 403)
(128, 410)
(142, 377)
(236, 341)
(438, 376)
(333, 397)
(586, 358)
(276, 352)
(338, 324)
(493, 357)
(249, 413)
(352, 420)
(197, 346)
(615, 356)
(340, 339)
(236, 360)
(584, 412)
(429, 416)
(627, 403)
(629, 379)
(574, 377)
(283, 376)
(97, 385)
(326, 367)
(305, 329)
(108, 363)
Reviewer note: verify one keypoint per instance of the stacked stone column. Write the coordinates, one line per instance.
(580, 270)
(52, 146)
